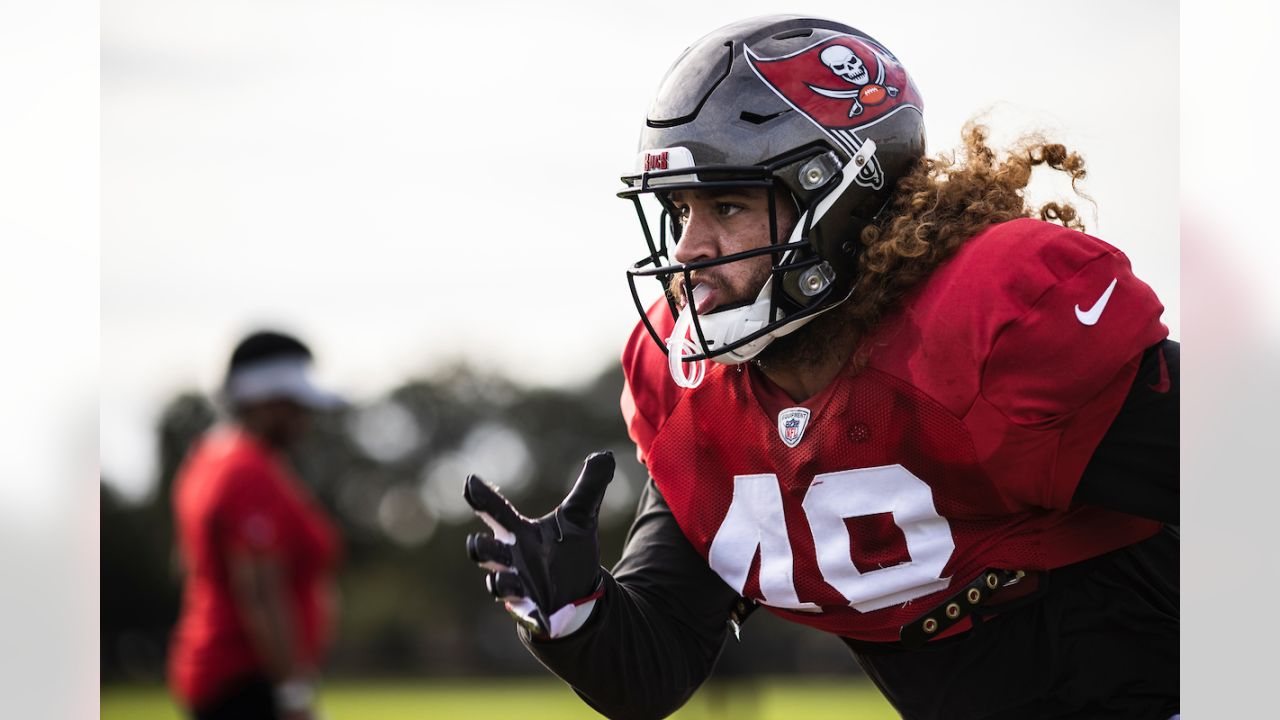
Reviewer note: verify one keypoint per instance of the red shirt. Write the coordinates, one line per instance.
(235, 495)
(956, 449)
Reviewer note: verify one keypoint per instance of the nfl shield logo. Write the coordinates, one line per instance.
(791, 425)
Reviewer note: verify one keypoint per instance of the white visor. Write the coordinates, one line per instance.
(278, 379)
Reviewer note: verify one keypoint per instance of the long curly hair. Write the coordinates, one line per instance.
(944, 202)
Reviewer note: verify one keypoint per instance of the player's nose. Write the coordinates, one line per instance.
(698, 240)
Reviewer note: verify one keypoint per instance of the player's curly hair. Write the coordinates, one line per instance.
(944, 202)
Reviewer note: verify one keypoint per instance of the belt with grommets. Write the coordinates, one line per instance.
(988, 585)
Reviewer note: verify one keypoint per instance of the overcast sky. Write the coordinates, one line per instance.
(406, 184)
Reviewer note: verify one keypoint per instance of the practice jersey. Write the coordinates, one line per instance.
(234, 495)
(955, 446)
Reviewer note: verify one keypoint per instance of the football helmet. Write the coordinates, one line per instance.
(815, 110)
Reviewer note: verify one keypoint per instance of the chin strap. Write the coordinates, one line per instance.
(723, 328)
(686, 374)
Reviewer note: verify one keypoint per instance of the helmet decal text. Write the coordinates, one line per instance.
(655, 160)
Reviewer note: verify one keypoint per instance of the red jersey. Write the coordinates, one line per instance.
(956, 448)
(234, 495)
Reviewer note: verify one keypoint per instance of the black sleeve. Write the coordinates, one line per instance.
(1135, 467)
(655, 634)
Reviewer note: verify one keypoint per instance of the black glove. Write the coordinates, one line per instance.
(547, 569)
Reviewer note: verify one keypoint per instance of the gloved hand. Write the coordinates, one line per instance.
(547, 571)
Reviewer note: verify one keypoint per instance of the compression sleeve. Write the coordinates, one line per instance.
(656, 633)
(1135, 467)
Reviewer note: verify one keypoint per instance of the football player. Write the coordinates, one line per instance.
(881, 397)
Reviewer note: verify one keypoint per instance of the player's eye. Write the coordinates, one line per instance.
(725, 209)
(682, 214)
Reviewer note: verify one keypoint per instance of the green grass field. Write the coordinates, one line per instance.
(766, 699)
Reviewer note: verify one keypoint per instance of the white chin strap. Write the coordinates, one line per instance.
(681, 345)
(719, 329)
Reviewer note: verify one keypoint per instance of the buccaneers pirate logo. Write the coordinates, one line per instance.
(841, 83)
(847, 66)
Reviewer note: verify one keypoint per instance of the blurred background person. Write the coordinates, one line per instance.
(258, 553)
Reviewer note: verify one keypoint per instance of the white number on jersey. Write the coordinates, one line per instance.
(755, 521)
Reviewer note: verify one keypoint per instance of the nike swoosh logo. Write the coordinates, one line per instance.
(1090, 316)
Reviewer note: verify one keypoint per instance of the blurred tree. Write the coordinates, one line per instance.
(139, 588)
(138, 599)
(391, 471)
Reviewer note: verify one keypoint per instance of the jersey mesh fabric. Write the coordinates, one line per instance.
(1001, 456)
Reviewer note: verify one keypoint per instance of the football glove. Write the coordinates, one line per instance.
(546, 571)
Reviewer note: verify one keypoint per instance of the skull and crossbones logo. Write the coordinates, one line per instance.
(845, 64)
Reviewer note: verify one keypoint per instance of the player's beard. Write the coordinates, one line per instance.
(733, 292)
(810, 346)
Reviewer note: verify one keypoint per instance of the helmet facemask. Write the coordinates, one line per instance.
(815, 112)
(805, 278)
